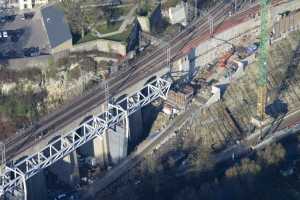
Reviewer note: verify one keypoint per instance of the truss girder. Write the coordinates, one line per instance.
(152, 91)
(11, 178)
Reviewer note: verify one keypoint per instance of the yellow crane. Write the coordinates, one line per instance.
(262, 60)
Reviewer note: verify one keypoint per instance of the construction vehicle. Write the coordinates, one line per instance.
(262, 61)
(244, 52)
(225, 57)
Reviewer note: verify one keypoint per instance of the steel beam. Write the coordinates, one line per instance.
(14, 177)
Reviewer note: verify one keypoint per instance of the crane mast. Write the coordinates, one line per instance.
(262, 61)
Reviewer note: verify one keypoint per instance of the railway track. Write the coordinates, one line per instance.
(95, 98)
(139, 70)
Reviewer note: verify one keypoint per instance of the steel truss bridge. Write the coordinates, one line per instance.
(13, 178)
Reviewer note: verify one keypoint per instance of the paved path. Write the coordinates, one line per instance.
(128, 20)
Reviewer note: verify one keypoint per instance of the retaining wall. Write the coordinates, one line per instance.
(101, 45)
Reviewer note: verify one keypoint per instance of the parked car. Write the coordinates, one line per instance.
(2, 20)
(11, 54)
(10, 18)
(244, 52)
(28, 15)
(32, 51)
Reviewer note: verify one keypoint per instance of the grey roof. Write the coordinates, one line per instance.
(57, 29)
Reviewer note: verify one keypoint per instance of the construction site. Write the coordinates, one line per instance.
(213, 116)
(228, 120)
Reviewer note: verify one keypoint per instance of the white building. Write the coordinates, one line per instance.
(178, 14)
(23, 4)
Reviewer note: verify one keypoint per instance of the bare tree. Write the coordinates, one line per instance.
(201, 159)
(78, 17)
(246, 167)
(187, 193)
(272, 154)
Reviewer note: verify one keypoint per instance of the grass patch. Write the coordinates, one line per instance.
(121, 37)
(122, 11)
(108, 28)
(88, 37)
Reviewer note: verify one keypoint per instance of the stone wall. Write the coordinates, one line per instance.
(40, 62)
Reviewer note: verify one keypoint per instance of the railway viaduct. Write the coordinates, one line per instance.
(114, 144)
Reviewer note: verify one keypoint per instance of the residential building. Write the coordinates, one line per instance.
(23, 4)
(178, 14)
(44, 33)
(57, 29)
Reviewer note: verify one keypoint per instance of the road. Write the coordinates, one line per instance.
(134, 158)
(289, 121)
(138, 70)
(147, 147)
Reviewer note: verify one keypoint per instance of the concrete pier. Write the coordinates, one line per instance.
(37, 187)
(97, 148)
(136, 129)
(111, 147)
(117, 144)
(67, 169)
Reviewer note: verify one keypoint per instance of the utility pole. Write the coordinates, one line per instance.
(168, 51)
(168, 56)
(235, 6)
(3, 157)
(82, 76)
(211, 25)
(196, 10)
(106, 91)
